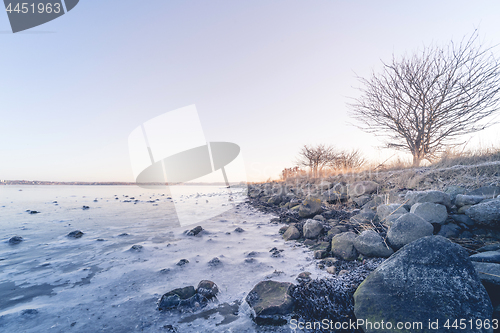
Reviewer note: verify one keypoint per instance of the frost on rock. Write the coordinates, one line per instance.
(332, 298)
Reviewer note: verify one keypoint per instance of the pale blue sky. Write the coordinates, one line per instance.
(267, 75)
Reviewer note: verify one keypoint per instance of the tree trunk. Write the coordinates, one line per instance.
(416, 160)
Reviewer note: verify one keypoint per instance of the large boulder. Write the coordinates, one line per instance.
(486, 213)
(363, 187)
(310, 207)
(371, 244)
(408, 228)
(431, 212)
(291, 233)
(343, 246)
(312, 228)
(438, 197)
(390, 209)
(270, 300)
(429, 279)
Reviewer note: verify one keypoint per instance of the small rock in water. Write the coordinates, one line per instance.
(239, 229)
(136, 247)
(123, 234)
(33, 211)
(304, 277)
(195, 231)
(15, 240)
(85, 207)
(100, 239)
(275, 253)
(95, 200)
(165, 270)
(215, 262)
(29, 312)
(252, 254)
(208, 289)
(182, 262)
(75, 234)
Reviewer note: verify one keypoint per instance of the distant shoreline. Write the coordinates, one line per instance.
(38, 182)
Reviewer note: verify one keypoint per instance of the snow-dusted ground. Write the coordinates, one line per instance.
(98, 284)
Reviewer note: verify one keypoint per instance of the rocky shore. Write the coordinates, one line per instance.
(443, 248)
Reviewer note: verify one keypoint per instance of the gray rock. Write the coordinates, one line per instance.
(371, 244)
(488, 272)
(270, 300)
(490, 247)
(462, 209)
(488, 256)
(462, 200)
(343, 246)
(75, 234)
(431, 278)
(319, 218)
(453, 191)
(363, 217)
(487, 213)
(291, 233)
(408, 228)
(360, 188)
(486, 191)
(438, 197)
(208, 289)
(461, 218)
(275, 200)
(385, 210)
(431, 212)
(450, 230)
(15, 240)
(312, 228)
(360, 201)
(310, 207)
(389, 220)
(374, 202)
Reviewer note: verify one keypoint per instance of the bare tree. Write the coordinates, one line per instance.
(315, 157)
(347, 160)
(423, 102)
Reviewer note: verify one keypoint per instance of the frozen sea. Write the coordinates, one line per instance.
(97, 283)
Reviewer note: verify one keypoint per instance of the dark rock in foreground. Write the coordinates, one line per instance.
(270, 300)
(430, 278)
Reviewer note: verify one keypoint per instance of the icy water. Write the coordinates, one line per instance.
(97, 283)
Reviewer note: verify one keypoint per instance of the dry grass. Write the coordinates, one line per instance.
(453, 157)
